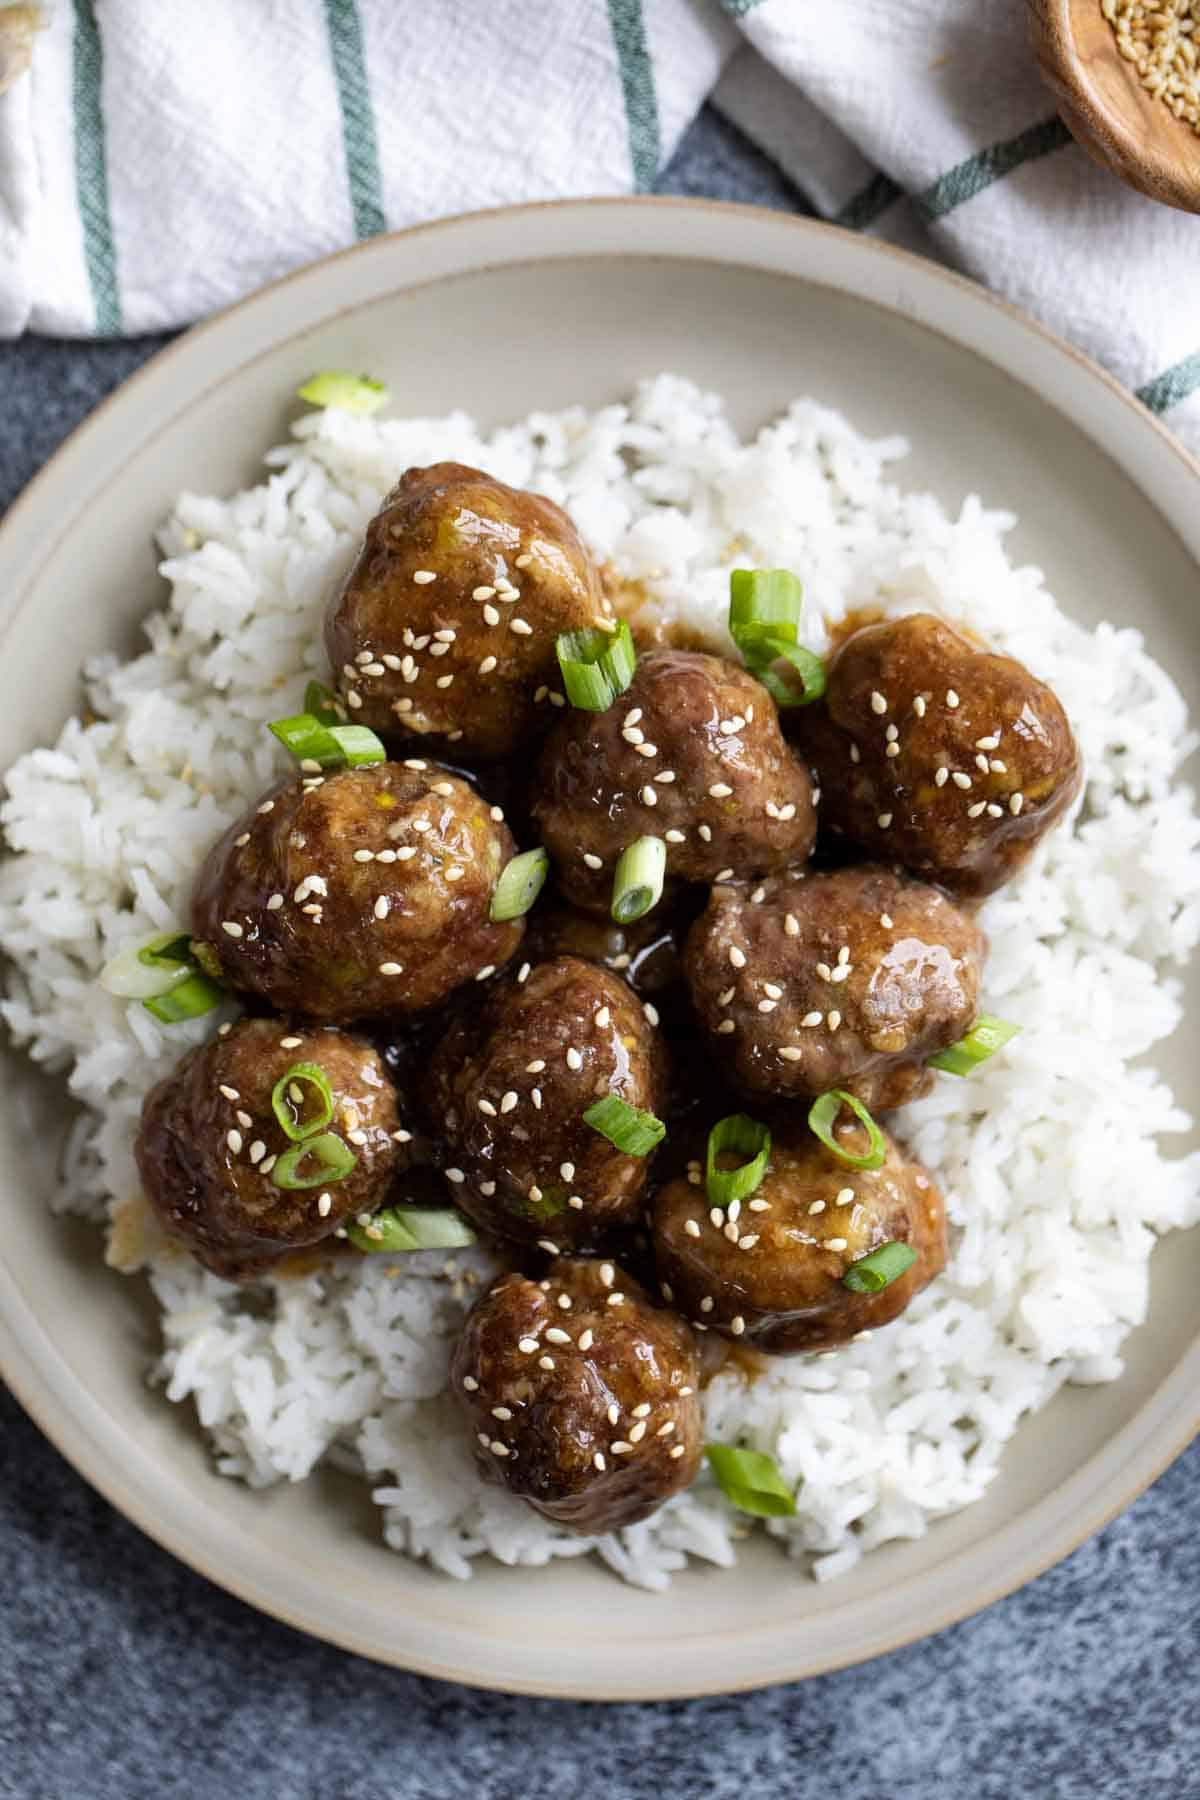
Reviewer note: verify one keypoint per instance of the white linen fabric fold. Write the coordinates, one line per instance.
(159, 159)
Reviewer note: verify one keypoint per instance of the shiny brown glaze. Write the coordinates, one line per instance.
(647, 767)
(849, 980)
(511, 1153)
(772, 1277)
(476, 685)
(645, 954)
(321, 947)
(953, 707)
(198, 1147)
(590, 1410)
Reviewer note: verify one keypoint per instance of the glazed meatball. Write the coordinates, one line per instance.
(360, 893)
(582, 1395)
(772, 1276)
(937, 754)
(692, 753)
(509, 1086)
(645, 953)
(447, 622)
(210, 1143)
(844, 980)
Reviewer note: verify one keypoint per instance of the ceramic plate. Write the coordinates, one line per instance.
(499, 313)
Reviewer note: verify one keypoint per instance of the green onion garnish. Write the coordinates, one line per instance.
(161, 972)
(764, 622)
(194, 996)
(986, 1036)
(520, 883)
(822, 1117)
(596, 665)
(321, 702)
(745, 1137)
(404, 1228)
(638, 879)
(327, 746)
(634, 1132)
(880, 1268)
(349, 393)
(288, 1101)
(333, 1159)
(751, 1481)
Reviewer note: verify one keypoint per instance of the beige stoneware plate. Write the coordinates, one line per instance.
(498, 313)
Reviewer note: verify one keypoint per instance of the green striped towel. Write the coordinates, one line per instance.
(162, 157)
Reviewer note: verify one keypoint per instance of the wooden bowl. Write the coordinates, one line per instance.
(1106, 108)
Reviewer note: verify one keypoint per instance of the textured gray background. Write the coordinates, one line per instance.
(124, 1675)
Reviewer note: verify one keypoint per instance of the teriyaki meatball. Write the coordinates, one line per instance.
(691, 753)
(359, 893)
(936, 753)
(583, 1397)
(447, 623)
(508, 1089)
(223, 1174)
(851, 980)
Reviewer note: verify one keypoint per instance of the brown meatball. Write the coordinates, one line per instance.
(583, 1396)
(691, 752)
(645, 953)
(847, 980)
(509, 1086)
(984, 760)
(358, 893)
(209, 1143)
(772, 1276)
(447, 622)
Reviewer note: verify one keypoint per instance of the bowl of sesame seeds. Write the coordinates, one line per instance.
(1126, 74)
(313, 1442)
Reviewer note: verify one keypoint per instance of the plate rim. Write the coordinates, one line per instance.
(34, 1392)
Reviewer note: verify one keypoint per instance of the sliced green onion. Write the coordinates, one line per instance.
(321, 702)
(349, 393)
(822, 1117)
(520, 883)
(404, 1228)
(880, 1268)
(207, 960)
(751, 1481)
(596, 665)
(146, 970)
(288, 1107)
(638, 879)
(194, 995)
(987, 1035)
(764, 600)
(745, 1137)
(329, 746)
(634, 1132)
(332, 1158)
(764, 622)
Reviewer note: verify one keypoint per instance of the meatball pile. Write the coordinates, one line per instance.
(420, 1018)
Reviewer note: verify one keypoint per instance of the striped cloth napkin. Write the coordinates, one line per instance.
(159, 158)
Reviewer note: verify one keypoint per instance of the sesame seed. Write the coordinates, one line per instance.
(891, 734)
(637, 1432)
(587, 1339)
(593, 862)
(455, 1175)
(737, 957)
(391, 968)
(675, 837)
(232, 928)
(423, 576)
(535, 1067)
(649, 797)
(886, 920)
(994, 811)
(737, 1325)
(960, 780)
(748, 1242)
(487, 665)
(354, 700)
(522, 627)
(607, 1273)
(230, 1093)
(267, 806)
(854, 754)
(705, 832)
(499, 1449)
(833, 1020)
(274, 903)
(486, 1108)
(325, 1205)
(919, 706)
(941, 778)
(725, 1027)
(545, 1362)
(706, 1305)
(244, 1120)
(835, 1243)
(691, 1227)
(883, 821)
(633, 716)
(508, 1101)
(523, 561)
(646, 749)
(522, 974)
(487, 969)
(575, 1202)
(527, 1345)
(620, 1448)
(574, 1059)
(544, 1243)
(723, 875)
(973, 812)
(482, 593)
(845, 1196)
(981, 763)
(598, 1461)
(878, 703)
(678, 1451)
(234, 1141)
(1015, 804)
(470, 1383)
(818, 1206)
(665, 775)
(556, 1336)
(766, 1006)
(720, 790)
(892, 750)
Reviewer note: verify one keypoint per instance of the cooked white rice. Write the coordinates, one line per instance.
(1049, 1157)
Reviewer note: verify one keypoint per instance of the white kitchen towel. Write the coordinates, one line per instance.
(162, 157)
